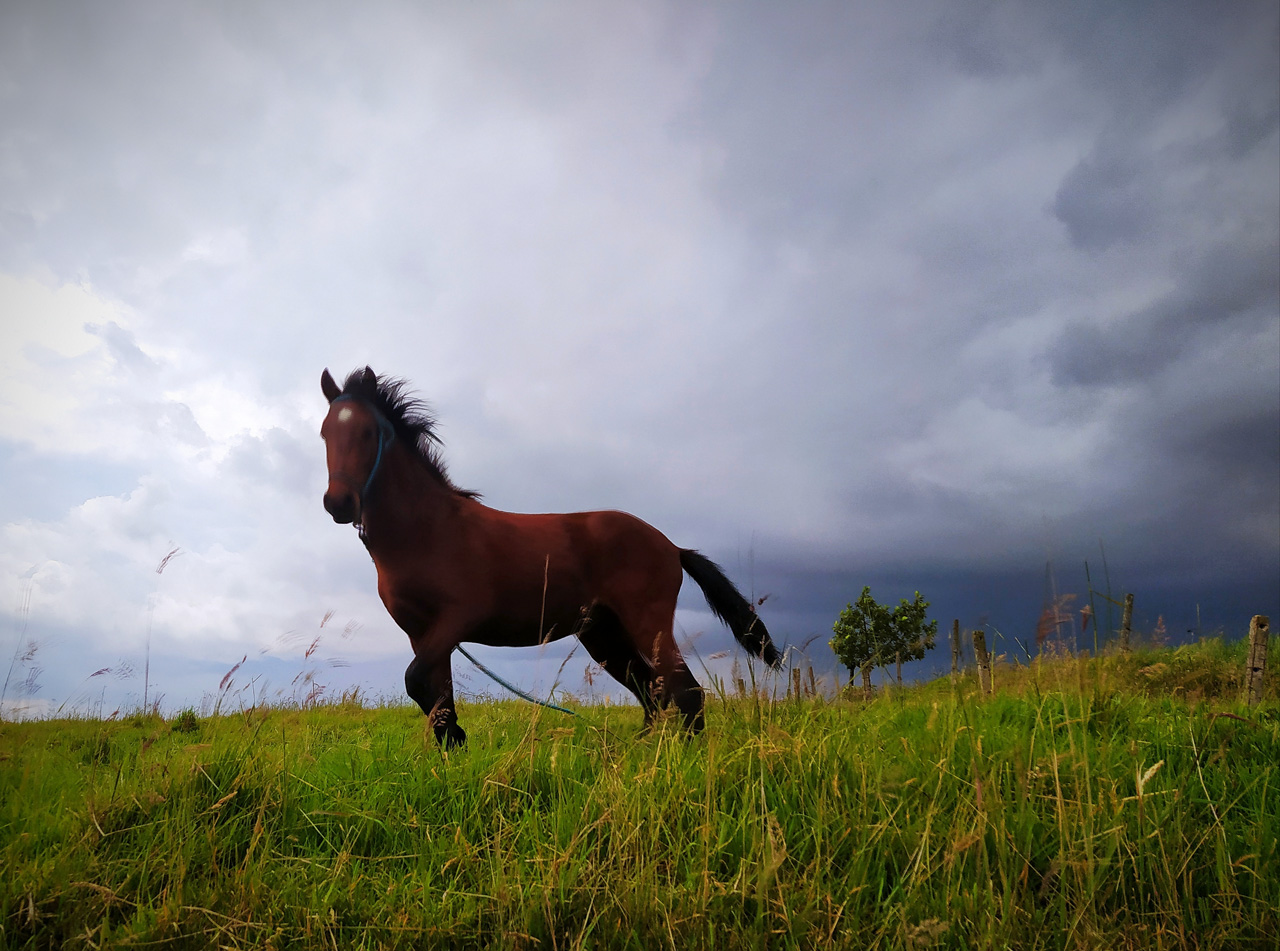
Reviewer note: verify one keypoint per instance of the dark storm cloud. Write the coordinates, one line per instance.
(1105, 200)
(808, 107)
(1233, 290)
(920, 296)
(1149, 53)
(1177, 178)
(1205, 473)
(778, 86)
(1130, 188)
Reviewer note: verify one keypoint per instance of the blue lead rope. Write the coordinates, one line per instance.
(514, 689)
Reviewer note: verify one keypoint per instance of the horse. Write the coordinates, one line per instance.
(451, 569)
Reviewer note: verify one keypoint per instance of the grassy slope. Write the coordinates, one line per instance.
(1076, 809)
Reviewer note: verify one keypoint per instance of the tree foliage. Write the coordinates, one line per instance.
(869, 634)
(913, 635)
(860, 631)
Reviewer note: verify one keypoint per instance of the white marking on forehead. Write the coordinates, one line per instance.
(344, 414)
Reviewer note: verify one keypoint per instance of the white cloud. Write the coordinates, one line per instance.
(224, 479)
(52, 363)
(223, 248)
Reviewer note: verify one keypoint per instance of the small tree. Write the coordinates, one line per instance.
(860, 631)
(911, 636)
(867, 633)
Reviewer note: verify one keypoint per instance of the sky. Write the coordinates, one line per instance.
(921, 296)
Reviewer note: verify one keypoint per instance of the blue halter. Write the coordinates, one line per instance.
(386, 435)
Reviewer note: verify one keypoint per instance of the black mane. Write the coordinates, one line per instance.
(410, 417)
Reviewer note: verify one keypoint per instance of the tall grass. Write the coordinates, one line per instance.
(1076, 809)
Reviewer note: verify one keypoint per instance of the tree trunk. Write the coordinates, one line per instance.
(866, 682)
(898, 658)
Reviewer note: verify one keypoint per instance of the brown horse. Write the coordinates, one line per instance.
(451, 569)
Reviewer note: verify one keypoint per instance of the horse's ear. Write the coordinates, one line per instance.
(370, 379)
(328, 387)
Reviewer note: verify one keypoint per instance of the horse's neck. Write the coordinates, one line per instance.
(408, 506)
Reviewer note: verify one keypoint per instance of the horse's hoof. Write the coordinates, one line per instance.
(455, 738)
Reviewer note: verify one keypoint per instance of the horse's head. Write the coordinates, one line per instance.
(356, 438)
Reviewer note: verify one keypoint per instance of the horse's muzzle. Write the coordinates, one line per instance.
(343, 507)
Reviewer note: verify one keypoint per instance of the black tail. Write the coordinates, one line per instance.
(728, 604)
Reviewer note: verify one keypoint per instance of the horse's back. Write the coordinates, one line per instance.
(630, 558)
(610, 553)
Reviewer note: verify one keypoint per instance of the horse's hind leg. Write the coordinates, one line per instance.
(673, 681)
(606, 640)
(684, 689)
(431, 687)
(678, 684)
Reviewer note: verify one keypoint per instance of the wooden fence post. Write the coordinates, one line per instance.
(984, 661)
(1126, 624)
(955, 650)
(795, 681)
(1256, 668)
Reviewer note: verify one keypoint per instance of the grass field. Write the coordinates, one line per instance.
(1128, 802)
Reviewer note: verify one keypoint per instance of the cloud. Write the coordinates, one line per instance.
(1224, 291)
(1106, 200)
(863, 289)
(232, 494)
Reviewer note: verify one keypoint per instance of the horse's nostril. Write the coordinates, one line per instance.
(340, 507)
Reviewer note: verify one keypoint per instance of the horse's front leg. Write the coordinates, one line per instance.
(430, 684)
